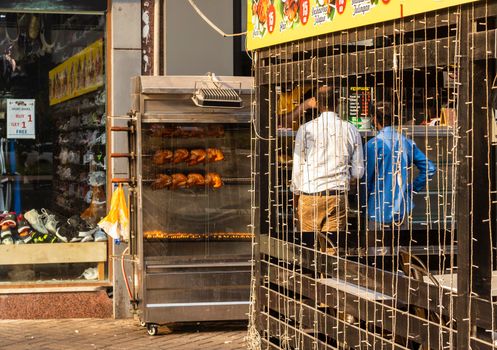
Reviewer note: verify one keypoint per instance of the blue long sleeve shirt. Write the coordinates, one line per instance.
(389, 157)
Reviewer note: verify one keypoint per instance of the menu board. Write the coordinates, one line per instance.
(359, 102)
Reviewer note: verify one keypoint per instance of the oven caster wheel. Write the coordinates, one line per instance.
(152, 329)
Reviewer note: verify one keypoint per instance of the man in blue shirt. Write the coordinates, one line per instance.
(389, 157)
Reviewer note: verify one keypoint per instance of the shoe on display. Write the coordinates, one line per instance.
(74, 122)
(36, 221)
(86, 230)
(101, 98)
(9, 219)
(39, 237)
(64, 156)
(94, 119)
(63, 172)
(67, 233)
(84, 120)
(6, 235)
(26, 236)
(62, 234)
(50, 221)
(90, 273)
(80, 226)
(100, 236)
(97, 178)
(93, 138)
(73, 157)
(88, 238)
(22, 224)
(97, 165)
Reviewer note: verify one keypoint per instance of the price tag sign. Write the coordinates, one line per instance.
(21, 119)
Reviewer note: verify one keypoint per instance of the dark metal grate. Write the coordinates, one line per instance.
(217, 97)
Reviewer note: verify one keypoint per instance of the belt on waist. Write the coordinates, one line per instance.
(326, 193)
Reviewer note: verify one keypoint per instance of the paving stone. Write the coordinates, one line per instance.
(109, 334)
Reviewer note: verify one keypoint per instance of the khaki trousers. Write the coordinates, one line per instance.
(321, 214)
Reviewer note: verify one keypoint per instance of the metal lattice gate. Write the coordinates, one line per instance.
(422, 280)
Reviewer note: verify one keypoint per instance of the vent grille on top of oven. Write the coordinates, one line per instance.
(214, 94)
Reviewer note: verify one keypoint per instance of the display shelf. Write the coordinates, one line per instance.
(412, 130)
(82, 41)
(82, 128)
(69, 46)
(159, 236)
(25, 178)
(55, 253)
(73, 110)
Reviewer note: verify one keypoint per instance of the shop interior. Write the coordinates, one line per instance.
(365, 286)
(61, 170)
(423, 112)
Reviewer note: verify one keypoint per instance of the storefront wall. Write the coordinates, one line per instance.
(123, 61)
(425, 281)
(183, 37)
(57, 57)
(125, 30)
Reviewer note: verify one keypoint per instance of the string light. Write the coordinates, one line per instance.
(402, 278)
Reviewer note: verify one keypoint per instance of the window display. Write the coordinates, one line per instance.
(201, 177)
(53, 185)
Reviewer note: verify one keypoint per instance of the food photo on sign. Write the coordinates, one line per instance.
(324, 11)
(272, 22)
(289, 11)
(260, 14)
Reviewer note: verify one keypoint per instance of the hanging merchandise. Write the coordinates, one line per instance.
(116, 223)
(13, 170)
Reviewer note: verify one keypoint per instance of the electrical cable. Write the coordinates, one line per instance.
(210, 23)
(125, 276)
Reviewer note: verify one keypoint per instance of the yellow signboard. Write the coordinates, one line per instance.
(79, 75)
(272, 22)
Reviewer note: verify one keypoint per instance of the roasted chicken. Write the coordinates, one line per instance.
(162, 157)
(197, 156)
(331, 5)
(180, 155)
(178, 181)
(215, 131)
(262, 9)
(162, 130)
(215, 155)
(193, 132)
(187, 131)
(213, 180)
(163, 181)
(194, 179)
(291, 9)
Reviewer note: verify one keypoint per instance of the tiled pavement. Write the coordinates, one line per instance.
(82, 334)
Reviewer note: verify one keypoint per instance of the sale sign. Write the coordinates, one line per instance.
(21, 119)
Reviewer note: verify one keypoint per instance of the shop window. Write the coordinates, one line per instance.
(52, 146)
